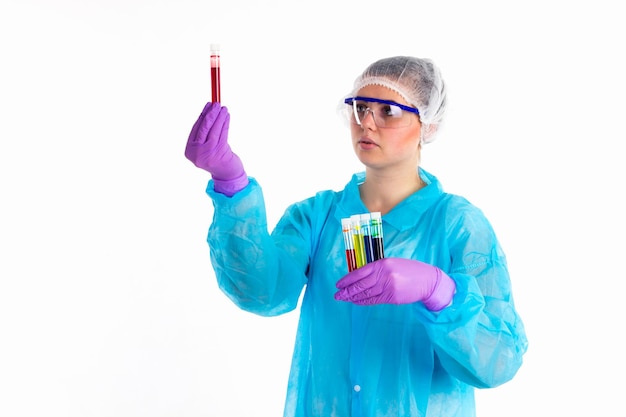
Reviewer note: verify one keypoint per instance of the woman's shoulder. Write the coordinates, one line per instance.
(455, 203)
(451, 203)
(461, 215)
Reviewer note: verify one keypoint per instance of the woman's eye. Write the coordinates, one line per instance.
(392, 111)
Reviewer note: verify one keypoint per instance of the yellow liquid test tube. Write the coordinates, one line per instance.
(359, 245)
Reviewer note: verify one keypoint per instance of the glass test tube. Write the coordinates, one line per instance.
(346, 227)
(377, 235)
(368, 245)
(215, 73)
(359, 244)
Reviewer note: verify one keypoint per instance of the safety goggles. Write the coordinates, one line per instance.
(386, 113)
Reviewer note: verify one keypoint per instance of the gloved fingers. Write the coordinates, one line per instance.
(355, 276)
(200, 131)
(193, 136)
(364, 287)
(208, 141)
(215, 129)
(361, 296)
(222, 122)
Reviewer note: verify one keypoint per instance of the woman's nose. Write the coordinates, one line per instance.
(364, 118)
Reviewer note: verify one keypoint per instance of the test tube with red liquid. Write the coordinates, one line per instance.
(215, 73)
(346, 226)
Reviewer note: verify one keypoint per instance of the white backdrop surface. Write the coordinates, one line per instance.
(108, 303)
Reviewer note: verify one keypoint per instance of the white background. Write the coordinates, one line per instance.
(108, 303)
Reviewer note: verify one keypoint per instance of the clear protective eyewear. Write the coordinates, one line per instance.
(386, 113)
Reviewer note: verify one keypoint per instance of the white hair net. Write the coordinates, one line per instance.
(417, 80)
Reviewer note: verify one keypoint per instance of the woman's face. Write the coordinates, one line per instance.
(386, 147)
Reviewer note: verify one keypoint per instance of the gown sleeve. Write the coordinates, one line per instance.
(252, 269)
(480, 338)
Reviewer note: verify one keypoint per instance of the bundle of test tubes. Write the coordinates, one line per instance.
(363, 239)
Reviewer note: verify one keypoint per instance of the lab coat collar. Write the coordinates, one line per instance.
(416, 204)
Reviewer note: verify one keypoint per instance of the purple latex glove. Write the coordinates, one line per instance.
(207, 147)
(397, 281)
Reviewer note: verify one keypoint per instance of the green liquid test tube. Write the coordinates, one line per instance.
(377, 235)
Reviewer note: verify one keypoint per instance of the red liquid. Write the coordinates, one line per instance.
(215, 82)
(351, 259)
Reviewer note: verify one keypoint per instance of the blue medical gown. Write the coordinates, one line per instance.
(382, 360)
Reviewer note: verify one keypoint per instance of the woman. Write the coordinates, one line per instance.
(411, 334)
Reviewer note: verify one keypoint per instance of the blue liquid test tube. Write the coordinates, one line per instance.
(368, 244)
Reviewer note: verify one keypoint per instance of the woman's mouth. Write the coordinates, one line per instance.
(366, 143)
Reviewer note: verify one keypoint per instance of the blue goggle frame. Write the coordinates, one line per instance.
(350, 100)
